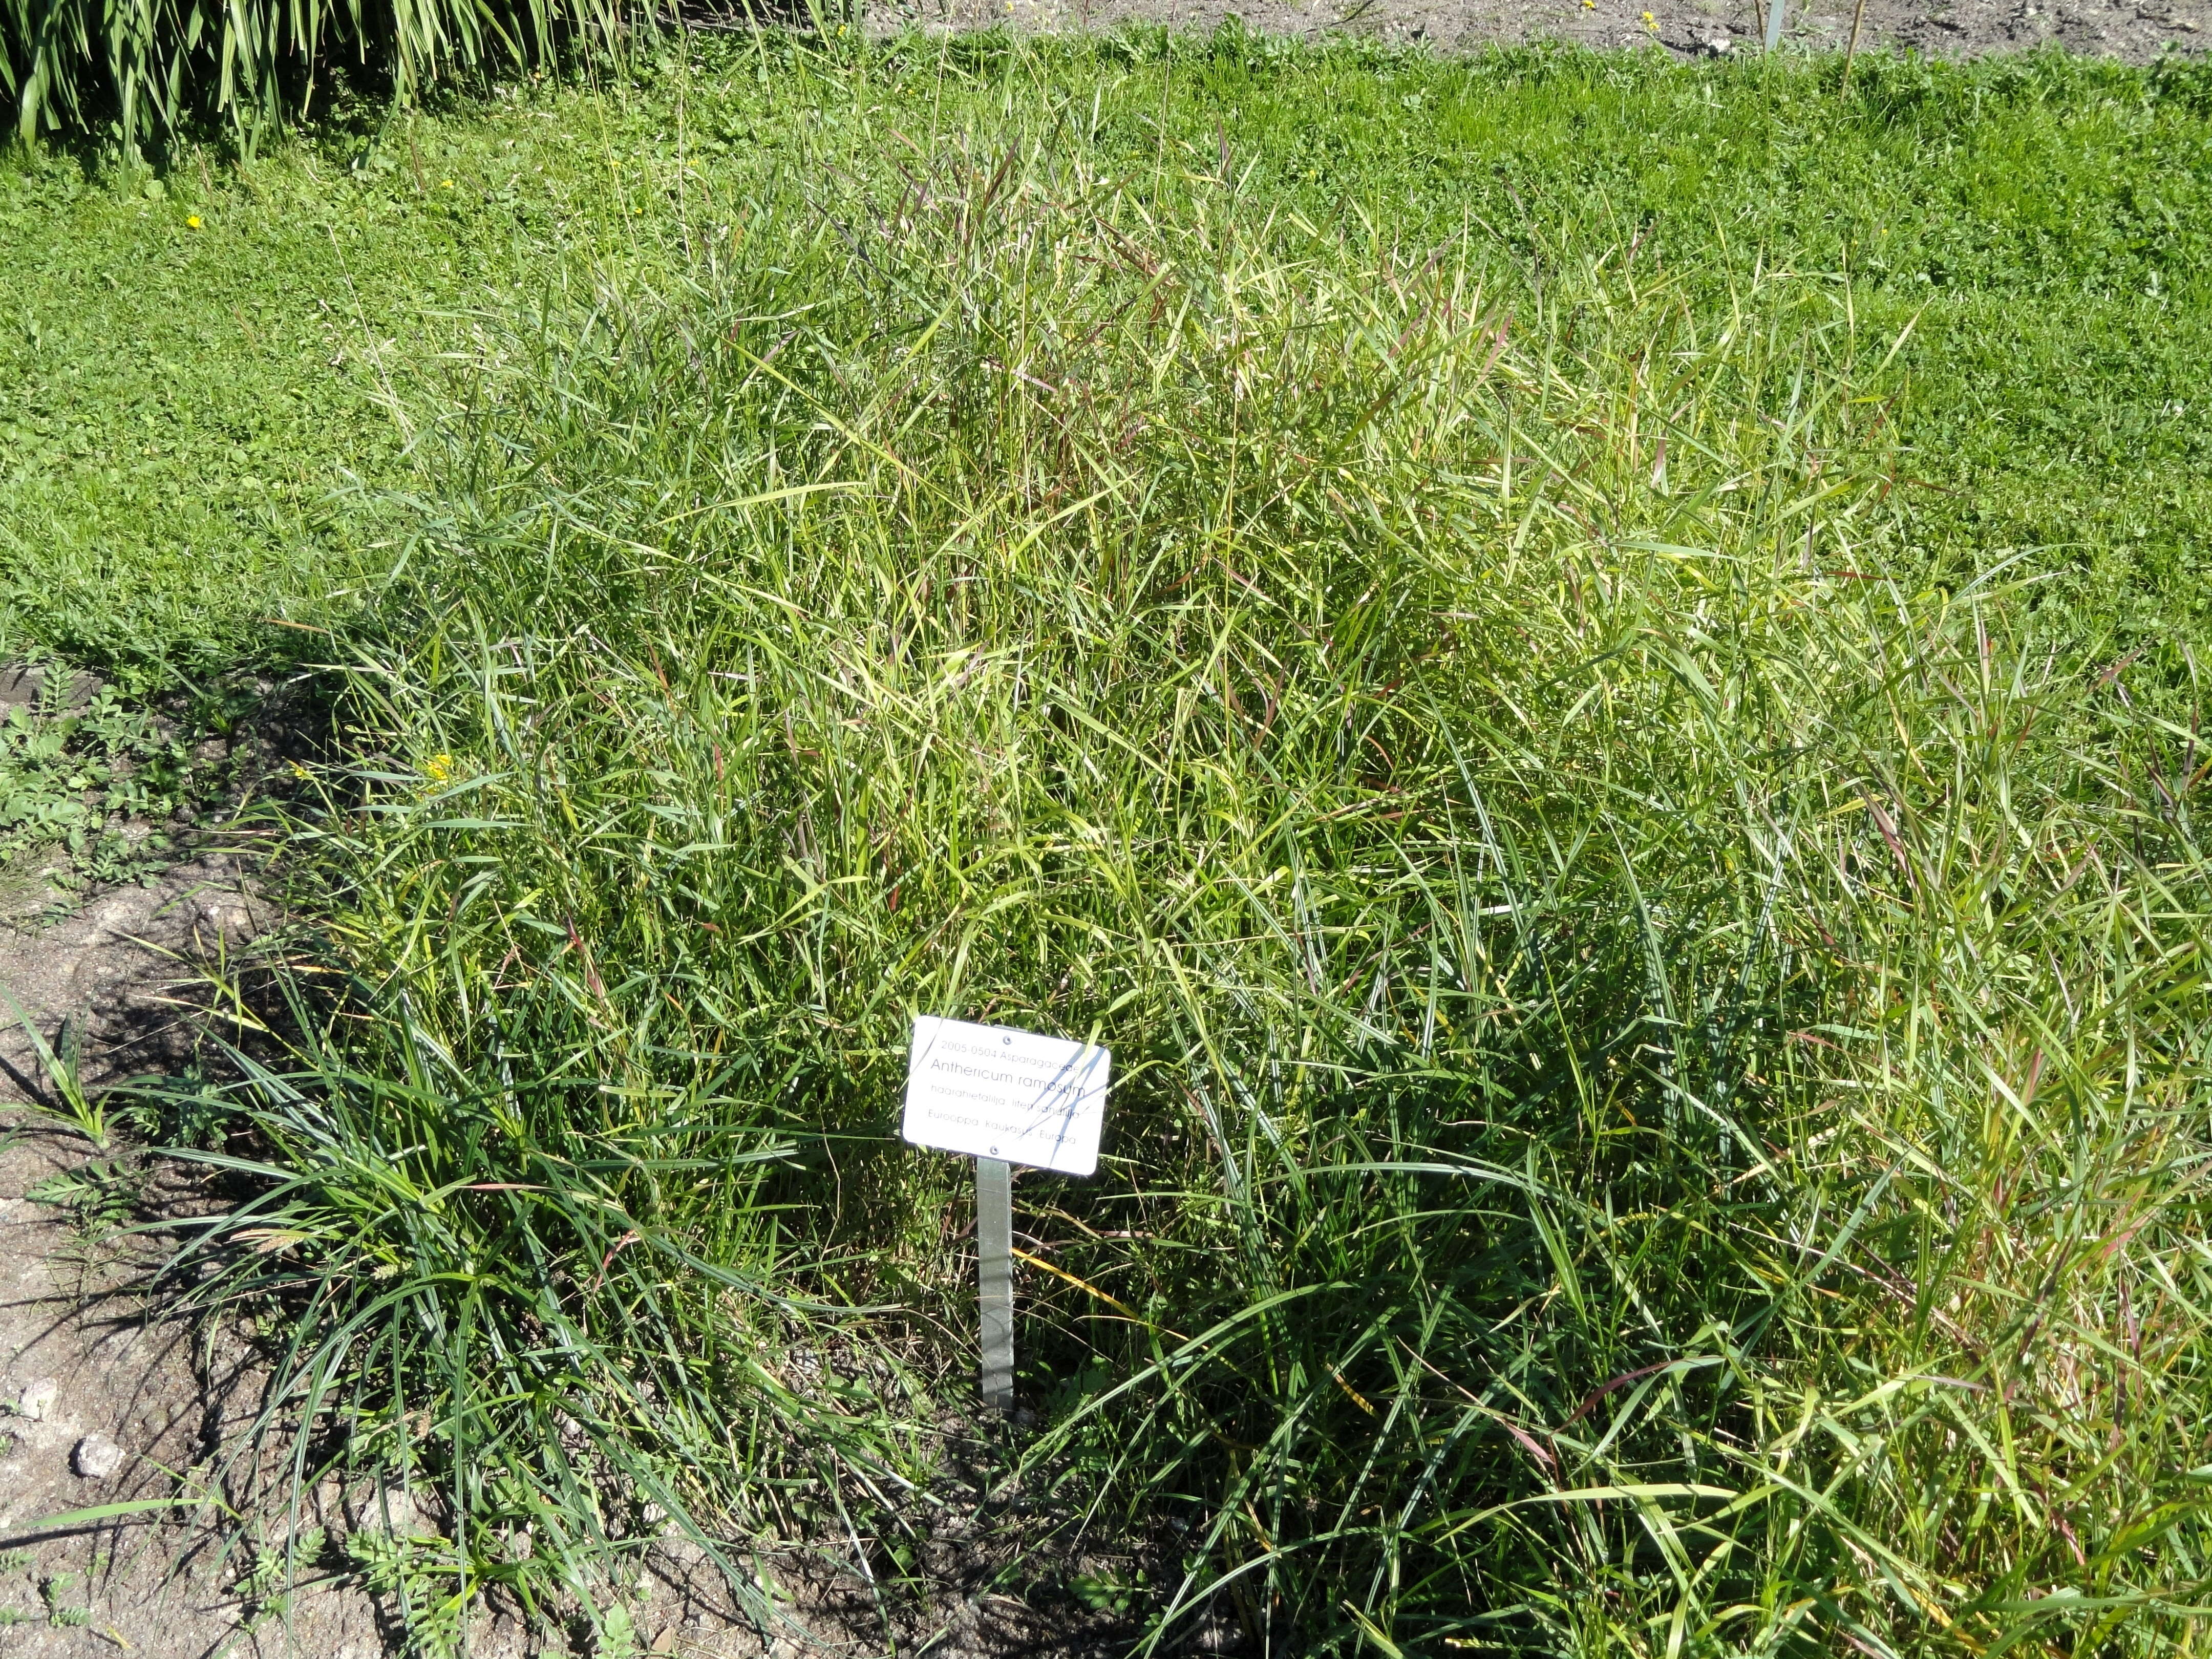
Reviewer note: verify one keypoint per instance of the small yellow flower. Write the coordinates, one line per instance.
(1650, 21)
(439, 767)
(445, 184)
(841, 31)
(301, 772)
(192, 222)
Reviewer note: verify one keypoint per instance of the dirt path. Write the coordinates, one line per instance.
(101, 1405)
(109, 983)
(2136, 31)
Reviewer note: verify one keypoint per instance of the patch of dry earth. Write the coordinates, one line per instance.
(2135, 31)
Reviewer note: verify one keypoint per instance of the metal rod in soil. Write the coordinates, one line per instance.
(994, 1239)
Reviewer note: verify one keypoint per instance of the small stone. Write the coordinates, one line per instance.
(96, 1457)
(38, 1400)
(391, 1510)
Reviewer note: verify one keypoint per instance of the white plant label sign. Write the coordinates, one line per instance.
(992, 1093)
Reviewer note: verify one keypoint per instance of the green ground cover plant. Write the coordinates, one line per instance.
(73, 780)
(1591, 669)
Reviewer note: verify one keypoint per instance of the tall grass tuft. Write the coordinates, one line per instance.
(131, 72)
(1661, 1103)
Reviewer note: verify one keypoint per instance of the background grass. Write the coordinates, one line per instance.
(1672, 975)
(197, 419)
(2043, 221)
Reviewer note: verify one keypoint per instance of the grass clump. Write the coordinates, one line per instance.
(1657, 1017)
(1655, 960)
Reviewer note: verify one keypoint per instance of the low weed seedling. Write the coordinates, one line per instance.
(187, 1112)
(94, 788)
(264, 1589)
(420, 1574)
(98, 1195)
(63, 1611)
(1111, 1592)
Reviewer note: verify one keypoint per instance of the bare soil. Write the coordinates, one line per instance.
(83, 1359)
(120, 989)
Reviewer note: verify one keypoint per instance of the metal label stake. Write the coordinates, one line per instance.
(994, 1241)
(1003, 1096)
